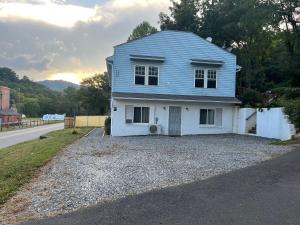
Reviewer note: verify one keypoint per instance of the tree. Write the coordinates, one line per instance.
(184, 16)
(142, 30)
(287, 23)
(8, 75)
(94, 94)
(31, 107)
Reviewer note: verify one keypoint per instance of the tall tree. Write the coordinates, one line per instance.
(142, 30)
(184, 16)
(287, 23)
(94, 94)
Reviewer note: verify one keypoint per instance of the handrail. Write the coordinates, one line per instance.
(251, 115)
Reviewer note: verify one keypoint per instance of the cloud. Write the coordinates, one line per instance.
(21, 62)
(59, 13)
(49, 12)
(40, 48)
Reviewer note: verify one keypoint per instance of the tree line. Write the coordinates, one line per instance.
(34, 99)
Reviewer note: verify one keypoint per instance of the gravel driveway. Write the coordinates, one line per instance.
(96, 169)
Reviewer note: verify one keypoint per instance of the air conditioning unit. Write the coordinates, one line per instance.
(154, 129)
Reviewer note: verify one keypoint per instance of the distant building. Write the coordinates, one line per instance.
(7, 113)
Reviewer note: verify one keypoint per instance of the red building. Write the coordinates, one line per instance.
(7, 114)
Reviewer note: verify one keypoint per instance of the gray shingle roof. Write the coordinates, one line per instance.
(189, 98)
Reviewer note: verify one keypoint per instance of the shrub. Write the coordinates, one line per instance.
(292, 109)
(75, 132)
(252, 98)
(287, 92)
(107, 126)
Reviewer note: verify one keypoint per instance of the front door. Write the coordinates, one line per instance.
(174, 121)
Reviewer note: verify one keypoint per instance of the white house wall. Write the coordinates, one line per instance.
(189, 115)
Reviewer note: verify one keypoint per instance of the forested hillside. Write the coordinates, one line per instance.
(34, 99)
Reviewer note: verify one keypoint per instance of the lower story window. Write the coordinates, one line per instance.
(207, 116)
(141, 114)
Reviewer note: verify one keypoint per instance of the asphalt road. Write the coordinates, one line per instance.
(268, 193)
(10, 138)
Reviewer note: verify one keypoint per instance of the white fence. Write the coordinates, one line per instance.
(269, 123)
(246, 120)
(273, 123)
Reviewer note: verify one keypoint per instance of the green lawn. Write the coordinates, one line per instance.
(19, 163)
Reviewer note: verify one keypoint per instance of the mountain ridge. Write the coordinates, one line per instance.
(58, 85)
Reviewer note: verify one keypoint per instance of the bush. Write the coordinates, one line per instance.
(287, 93)
(75, 132)
(292, 109)
(107, 126)
(252, 98)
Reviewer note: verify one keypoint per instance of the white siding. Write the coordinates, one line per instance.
(190, 118)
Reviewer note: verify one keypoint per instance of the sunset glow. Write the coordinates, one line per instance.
(71, 77)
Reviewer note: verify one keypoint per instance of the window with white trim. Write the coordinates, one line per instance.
(211, 78)
(140, 73)
(207, 116)
(152, 75)
(205, 78)
(146, 75)
(211, 117)
(135, 114)
(199, 78)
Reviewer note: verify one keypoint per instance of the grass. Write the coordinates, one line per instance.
(19, 163)
(288, 142)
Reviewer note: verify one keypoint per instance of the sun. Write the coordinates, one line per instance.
(71, 77)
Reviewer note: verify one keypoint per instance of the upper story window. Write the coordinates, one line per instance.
(205, 78)
(211, 78)
(140, 73)
(146, 75)
(199, 78)
(152, 75)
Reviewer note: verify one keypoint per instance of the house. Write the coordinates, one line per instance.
(172, 83)
(8, 115)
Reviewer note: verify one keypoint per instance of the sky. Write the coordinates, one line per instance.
(68, 39)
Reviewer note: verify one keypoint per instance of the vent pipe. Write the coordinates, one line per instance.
(209, 39)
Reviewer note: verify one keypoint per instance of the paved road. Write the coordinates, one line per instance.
(265, 194)
(10, 138)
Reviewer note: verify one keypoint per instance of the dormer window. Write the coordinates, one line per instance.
(146, 75)
(205, 78)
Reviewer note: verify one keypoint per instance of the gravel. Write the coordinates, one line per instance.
(96, 169)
